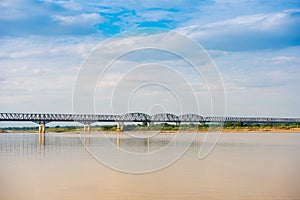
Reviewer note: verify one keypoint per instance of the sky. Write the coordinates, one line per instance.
(255, 45)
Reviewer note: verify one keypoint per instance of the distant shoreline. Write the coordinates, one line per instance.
(224, 130)
(228, 127)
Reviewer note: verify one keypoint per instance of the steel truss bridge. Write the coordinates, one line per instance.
(88, 119)
(41, 118)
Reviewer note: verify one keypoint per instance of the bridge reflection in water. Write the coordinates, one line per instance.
(87, 119)
(115, 138)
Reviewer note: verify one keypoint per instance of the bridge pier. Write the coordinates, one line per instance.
(86, 127)
(42, 133)
(41, 128)
(120, 126)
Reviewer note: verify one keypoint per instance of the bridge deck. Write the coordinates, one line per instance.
(137, 117)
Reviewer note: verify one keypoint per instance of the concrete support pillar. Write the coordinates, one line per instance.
(42, 133)
(42, 128)
(177, 123)
(120, 126)
(86, 127)
(148, 124)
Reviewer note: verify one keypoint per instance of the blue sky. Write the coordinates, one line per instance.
(255, 44)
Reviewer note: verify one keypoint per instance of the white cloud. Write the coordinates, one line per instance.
(155, 15)
(72, 5)
(283, 60)
(260, 31)
(50, 68)
(19, 48)
(12, 9)
(83, 19)
(35, 72)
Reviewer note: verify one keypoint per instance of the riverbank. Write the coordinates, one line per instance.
(224, 130)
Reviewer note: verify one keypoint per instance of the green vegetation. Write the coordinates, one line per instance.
(165, 127)
(266, 126)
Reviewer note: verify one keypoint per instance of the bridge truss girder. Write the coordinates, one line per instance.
(136, 117)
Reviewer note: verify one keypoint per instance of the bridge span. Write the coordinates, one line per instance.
(88, 119)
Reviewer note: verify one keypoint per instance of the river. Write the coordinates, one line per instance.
(241, 166)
